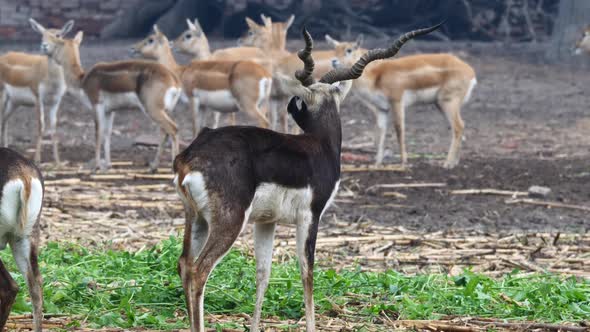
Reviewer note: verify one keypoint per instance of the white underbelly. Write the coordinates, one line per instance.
(420, 96)
(219, 100)
(274, 203)
(20, 95)
(11, 207)
(115, 101)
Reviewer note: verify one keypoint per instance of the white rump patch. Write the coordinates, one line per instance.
(219, 100)
(472, 85)
(331, 199)
(264, 87)
(194, 182)
(10, 208)
(171, 98)
(274, 203)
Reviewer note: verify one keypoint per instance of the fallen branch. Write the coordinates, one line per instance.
(407, 185)
(488, 191)
(372, 168)
(548, 204)
(529, 326)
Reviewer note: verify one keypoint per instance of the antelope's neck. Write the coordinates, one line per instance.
(167, 59)
(73, 71)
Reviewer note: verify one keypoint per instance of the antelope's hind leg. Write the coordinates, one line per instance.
(8, 291)
(263, 246)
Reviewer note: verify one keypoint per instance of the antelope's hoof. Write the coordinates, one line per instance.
(450, 164)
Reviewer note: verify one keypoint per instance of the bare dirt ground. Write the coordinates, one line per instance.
(527, 124)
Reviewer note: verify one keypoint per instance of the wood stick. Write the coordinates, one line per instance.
(489, 191)
(372, 168)
(548, 204)
(530, 326)
(407, 185)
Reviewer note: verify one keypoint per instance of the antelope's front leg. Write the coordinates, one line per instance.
(99, 125)
(40, 130)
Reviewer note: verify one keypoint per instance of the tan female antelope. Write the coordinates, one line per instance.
(108, 87)
(222, 86)
(271, 37)
(392, 85)
(232, 175)
(32, 80)
(21, 198)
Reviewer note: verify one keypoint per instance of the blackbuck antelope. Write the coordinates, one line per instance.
(21, 198)
(108, 87)
(232, 175)
(583, 44)
(221, 86)
(392, 85)
(35, 81)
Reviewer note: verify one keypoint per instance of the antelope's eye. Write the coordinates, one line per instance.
(348, 50)
(187, 36)
(150, 41)
(250, 33)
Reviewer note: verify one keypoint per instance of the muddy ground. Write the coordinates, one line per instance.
(527, 124)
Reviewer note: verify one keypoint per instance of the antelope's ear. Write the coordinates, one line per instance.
(289, 22)
(251, 24)
(79, 36)
(341, 89)
(291, 86)
(157, 30)
(359, 41)
(36, 26)
(197, 25)
(67, 28)
(266, 20)
(190, 24)
(333, 42)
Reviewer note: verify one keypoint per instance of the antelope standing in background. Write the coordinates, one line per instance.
(108, 87)
(392, 85)
(21, 198)
(231, 175)
(222, 86)
(583, 44)
(35, 81)
(271, 37)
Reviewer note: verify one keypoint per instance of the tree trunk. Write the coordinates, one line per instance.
(572, 17)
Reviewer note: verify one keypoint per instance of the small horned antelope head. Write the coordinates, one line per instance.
(346, 53)
(583, 44)
(60, 49)
(192, 41)
(152, 46)
(45, 33)
(267, 35)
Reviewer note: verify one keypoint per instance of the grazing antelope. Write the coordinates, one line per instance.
(35, 81)
(108, 87)
(21, 198)
(392, 85)
(222, 86)
(232, 175)
(583, 44)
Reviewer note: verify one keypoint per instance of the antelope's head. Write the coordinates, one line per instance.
(269, 35)
(346, 53)
(61, 50)
(583, 44)
(192, 41)
(45, 33)
(153, 46)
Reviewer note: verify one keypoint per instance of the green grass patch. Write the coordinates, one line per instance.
(132, 289)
